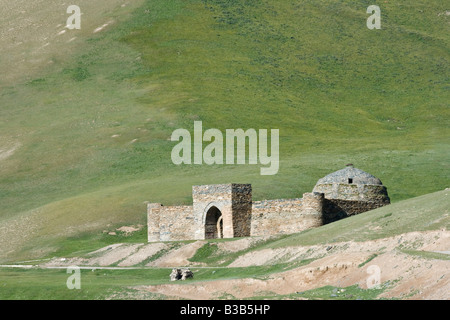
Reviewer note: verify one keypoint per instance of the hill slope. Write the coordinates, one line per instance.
(86, 115)
(384, 253)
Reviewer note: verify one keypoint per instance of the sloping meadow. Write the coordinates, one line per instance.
(87, 115)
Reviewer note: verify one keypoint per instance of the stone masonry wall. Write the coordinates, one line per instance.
(175, 223)
(284, 216)
(170, 223)
(243, 217)
(336, 209)
(153, 212)
(242, 209)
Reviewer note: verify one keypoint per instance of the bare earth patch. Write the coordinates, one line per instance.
(236, 245)
(143, 253)
(178, 257)
(130, 229)
(7, 151)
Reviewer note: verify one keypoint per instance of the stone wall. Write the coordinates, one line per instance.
(153, 213)
(234, 201)
(284, 216)
(242, 209)
(336, 209)
(170, 223)
(227, 210)
(175, 223)
(241, 217)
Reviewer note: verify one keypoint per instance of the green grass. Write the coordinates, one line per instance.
(50, 284)
(337, 92)
(427, 254)
(373, 256)
(204, 253)
(335, 293)
(87, 242)
(210, 254)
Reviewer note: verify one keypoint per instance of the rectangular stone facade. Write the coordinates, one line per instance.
(170, 223)
(285, 216)
(233, 201)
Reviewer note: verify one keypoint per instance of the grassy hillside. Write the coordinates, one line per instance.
(424, 213)
(85, 118)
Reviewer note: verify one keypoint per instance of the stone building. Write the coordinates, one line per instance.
(350, 191)
(227, 210)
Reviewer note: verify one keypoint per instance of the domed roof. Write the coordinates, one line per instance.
(350, 175)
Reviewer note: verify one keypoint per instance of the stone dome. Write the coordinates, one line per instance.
(352, 184)
(350, 175)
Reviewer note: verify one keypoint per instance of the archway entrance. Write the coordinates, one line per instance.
(213, 224)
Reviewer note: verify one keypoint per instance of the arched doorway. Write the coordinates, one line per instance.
(213, 224)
